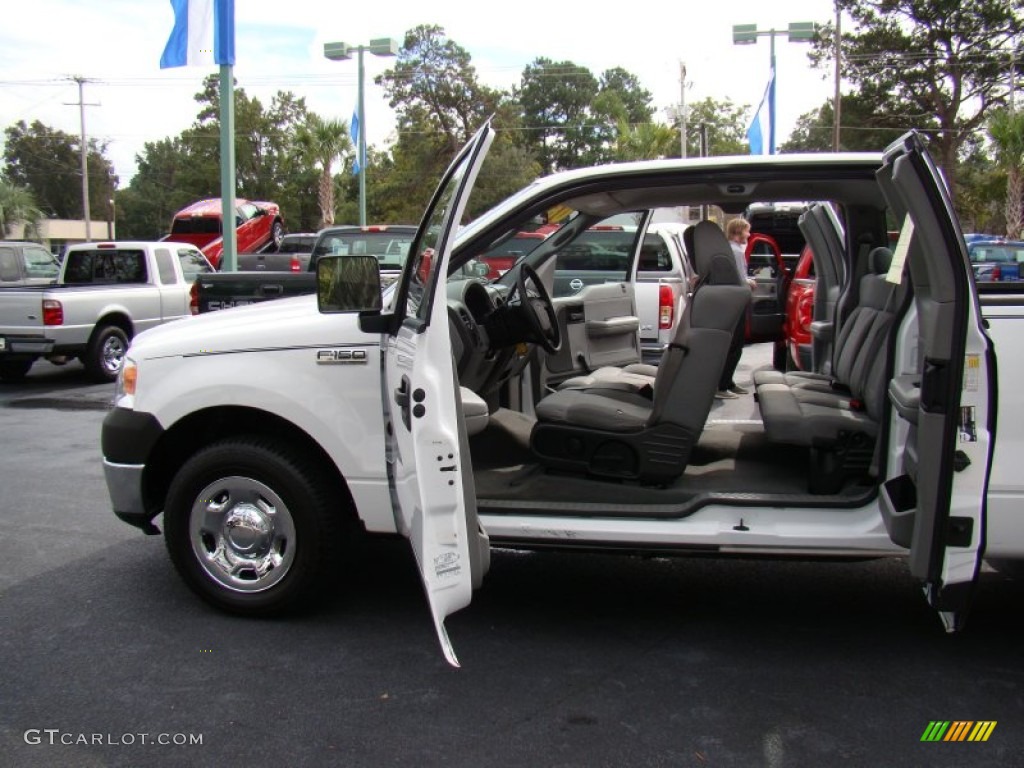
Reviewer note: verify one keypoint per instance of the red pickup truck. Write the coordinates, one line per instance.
(258, 223)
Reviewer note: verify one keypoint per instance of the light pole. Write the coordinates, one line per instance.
(747, 34)
(384, 46)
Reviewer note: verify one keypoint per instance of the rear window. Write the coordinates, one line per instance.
(782, 224)
(196, 225)
(105, 266)
(654, 255)
(293, 244)
(390, 248)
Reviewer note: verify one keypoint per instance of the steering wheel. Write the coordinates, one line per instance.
(536, 308)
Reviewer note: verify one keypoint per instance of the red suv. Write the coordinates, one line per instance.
(258, 226)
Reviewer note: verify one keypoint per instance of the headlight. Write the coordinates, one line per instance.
(126, 380)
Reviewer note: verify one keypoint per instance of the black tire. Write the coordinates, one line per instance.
(14, 370)
(228, 545)
(276, 235)
(105, 356)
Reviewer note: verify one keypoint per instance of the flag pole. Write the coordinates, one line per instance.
(228, 261)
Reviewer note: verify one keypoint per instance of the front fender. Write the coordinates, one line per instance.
(337, 404)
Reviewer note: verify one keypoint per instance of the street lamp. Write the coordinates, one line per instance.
(747, 34)
(384, 46)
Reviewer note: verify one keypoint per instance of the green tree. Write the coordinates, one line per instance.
(322, 142)
(18, 206)
(646, 141)
(47, 162)
(939, 66)
(864, 128)
(439, 105)
(156, 192)
(1006, 129)
(434, 85)
(176, 171)
(725, 124)
(559, 127)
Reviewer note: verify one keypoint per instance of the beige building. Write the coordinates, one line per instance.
(56, 234)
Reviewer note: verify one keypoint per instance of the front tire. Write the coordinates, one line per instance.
(251, 527)
(106, 352)
(277, 235)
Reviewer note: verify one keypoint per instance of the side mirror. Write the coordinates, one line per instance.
(347, 284)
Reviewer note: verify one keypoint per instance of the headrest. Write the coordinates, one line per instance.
(879, 260)
(713, 255)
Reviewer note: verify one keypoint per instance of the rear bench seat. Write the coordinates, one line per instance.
(838, 417)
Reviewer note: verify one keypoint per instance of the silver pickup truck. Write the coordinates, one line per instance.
(105, 294)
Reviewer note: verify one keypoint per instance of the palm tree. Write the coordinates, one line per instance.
(645, 141)
(322, 142)
(1006, 129)
(18, 206)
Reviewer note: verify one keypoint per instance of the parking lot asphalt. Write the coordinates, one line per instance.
(568, 660)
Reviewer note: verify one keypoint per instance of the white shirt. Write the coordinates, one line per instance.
(740, 253)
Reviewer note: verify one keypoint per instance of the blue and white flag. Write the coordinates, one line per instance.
(353, 132)
(759, 134)
(203, 34)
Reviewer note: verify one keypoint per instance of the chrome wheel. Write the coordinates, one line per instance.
(112, 354)
(242, 534)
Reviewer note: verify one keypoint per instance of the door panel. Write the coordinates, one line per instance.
(599, 327)
(941, 491)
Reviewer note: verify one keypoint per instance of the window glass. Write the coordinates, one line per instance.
(601, 254)
(39, 262)
(105, 266)
(165, 265)
(193, 263)
(654, 255)
(9, 265)
(196, 225)
(389, 247)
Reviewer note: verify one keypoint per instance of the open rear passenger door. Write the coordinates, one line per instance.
(942, 391)
(429, 469)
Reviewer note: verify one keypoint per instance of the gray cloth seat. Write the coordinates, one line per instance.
(611, 429)
(857, 331)
(839, 419)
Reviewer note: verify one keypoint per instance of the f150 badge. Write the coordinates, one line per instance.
(331, 356)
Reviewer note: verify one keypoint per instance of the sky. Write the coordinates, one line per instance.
(116, 46)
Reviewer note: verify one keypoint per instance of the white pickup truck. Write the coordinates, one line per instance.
(266, 435)
(104, 295)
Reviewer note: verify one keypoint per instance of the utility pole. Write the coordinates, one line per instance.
(836, 98)
(682, 109)
(85, 153)
(685, 212)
